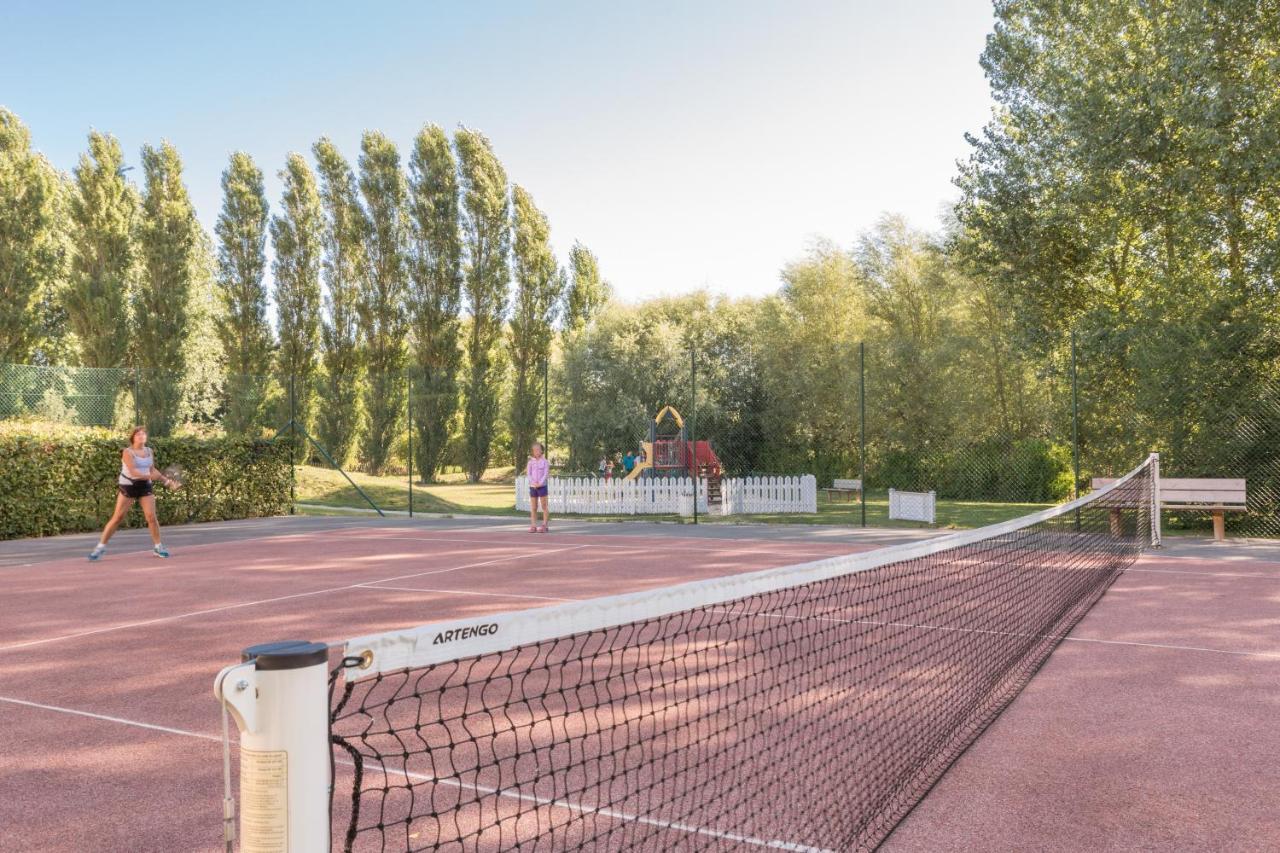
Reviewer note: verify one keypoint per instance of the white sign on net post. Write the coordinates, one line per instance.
(913, 506)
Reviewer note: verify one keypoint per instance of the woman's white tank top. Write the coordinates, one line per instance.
(142, 464)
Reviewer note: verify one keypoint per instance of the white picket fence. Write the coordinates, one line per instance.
(741, 495)
(913, 506)
(674, 495)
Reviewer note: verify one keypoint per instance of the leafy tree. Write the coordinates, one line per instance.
(587, 292)
(31, 258)
(103, 211)
(343, 264)
(169, 241)
(539, 285)
(297, 238)
(383, 320)
(1125, 190)
(435, 276)
(809, 336)
(486, 228)
(242, 262)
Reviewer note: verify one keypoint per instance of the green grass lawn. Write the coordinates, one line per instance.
(494, 495)
(327, 487)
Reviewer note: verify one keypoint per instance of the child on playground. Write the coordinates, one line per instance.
(537, 469)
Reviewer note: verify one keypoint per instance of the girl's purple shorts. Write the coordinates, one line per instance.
(538, 491)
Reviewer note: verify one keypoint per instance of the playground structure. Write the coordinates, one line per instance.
(674, 455)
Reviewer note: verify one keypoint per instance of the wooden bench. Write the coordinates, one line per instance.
(844, 487)
(1214, 496)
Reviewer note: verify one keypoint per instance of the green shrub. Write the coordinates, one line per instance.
(61, 479)
(1022, 471)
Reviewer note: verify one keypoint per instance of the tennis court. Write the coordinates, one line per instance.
(1152, 726)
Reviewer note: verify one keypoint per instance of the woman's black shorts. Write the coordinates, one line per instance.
(136, 489)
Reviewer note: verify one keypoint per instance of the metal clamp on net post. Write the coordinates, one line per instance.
(279, 697)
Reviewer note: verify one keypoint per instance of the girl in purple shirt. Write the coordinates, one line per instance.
(537, 468)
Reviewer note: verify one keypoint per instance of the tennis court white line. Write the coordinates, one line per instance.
(1264, 576)
(161, 619)
(613, 813)
(122, 721)
(617, 815)
(922, 627)
(468, 592)
(743, 545)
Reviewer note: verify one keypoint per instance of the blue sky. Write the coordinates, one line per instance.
(690, 145)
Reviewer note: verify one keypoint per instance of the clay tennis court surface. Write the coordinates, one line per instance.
(1155, 726)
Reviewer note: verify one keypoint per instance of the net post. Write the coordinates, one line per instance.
(1156, 529)
(278, 696)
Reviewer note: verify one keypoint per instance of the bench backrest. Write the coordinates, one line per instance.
(852, 485)
(1194, 490)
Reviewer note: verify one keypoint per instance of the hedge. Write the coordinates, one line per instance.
(60, 479)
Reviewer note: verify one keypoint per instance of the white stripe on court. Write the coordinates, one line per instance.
(466, 592)
(242, 604)
(1263, 575)
(566, 804)
(926, 627)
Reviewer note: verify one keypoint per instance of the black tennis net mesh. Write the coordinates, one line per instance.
(809, 716)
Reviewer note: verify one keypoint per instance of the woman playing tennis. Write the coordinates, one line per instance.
(537, 468)
(137, 472)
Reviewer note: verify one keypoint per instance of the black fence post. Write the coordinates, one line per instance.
(409, 414)
(862, 428)
(137, 396)
(1075, 428)
(293, 441)
(693, 423)
(546, 407)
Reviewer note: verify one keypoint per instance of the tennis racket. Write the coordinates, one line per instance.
(173, 476)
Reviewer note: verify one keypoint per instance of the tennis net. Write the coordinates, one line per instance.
(805, 708)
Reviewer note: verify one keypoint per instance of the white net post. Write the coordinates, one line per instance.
(1156, 530)
(279, 698)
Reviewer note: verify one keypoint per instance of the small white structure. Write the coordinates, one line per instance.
(674, 495)
(913, 506)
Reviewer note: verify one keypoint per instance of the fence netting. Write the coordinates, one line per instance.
(991, 432)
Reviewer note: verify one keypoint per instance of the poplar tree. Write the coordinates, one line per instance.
(343, 239)
(296, 236)
(435, 278)
(587, 292)
(168, 242)
(103, 211)
(383, 320)
(539, 285)
(242, 262)
(30, 243)
(486, 229)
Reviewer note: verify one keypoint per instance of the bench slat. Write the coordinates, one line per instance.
(1167, 483)
(1205, 496)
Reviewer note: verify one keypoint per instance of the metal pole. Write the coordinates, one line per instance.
(693, 424)
(1075, 421)
(862, 428)
(137, 393)
(409, 413)
(546, 406)
(293, 440)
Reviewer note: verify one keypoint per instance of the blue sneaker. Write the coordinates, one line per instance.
(96, 554)
(160, 551)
